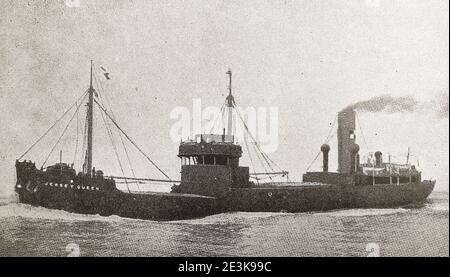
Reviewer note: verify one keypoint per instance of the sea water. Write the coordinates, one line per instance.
(408, 231)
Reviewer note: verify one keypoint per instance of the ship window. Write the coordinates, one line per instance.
(221, 160)
(194, 160)
(209, 160)
(352, 134)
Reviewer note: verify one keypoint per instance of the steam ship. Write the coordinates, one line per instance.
(213, 181)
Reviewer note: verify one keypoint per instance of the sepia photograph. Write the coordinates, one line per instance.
(214, 128)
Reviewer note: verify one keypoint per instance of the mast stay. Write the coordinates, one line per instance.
(263, 158)
(93, 97)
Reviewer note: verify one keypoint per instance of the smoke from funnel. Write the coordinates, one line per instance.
(403, 104)
(386, 103)
(442, 103)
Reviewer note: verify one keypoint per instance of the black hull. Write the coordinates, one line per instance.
(62, 189)
(88, 195)
(172, 206)
(310, 198)
(155, 206)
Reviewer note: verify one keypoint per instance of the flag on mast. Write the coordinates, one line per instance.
(105, 73)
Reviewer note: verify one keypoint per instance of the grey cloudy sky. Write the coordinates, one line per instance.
(309, 58)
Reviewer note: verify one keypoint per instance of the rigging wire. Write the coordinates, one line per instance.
(260, 160)
(54, 124)
(108, 130)
(64, 131)
(83, 149)
(120, 135)
(215, 120)
(251, 160)
(362, 134)
(330, 135)
(76, 143)
(131, 141)
(256, 145)
(258, 150)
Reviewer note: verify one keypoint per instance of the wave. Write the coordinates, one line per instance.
(439, 206)
(235, 217)
(439, 195)
(8, 200)
(362, 212)
(28, 211)
(437, 201)
(40, 213)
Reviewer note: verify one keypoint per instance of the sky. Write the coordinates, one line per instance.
(310, 59)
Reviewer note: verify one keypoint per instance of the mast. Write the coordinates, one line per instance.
(407, 157)
(90, 119)
(230, 102)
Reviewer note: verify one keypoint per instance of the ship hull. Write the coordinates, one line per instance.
(308, 198)
(95, 197)
(172, 206)
(151, 206)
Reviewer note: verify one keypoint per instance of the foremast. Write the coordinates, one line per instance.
(230, 104)
(90, 122)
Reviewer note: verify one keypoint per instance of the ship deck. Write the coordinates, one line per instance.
(284, 185)
(168, 194)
